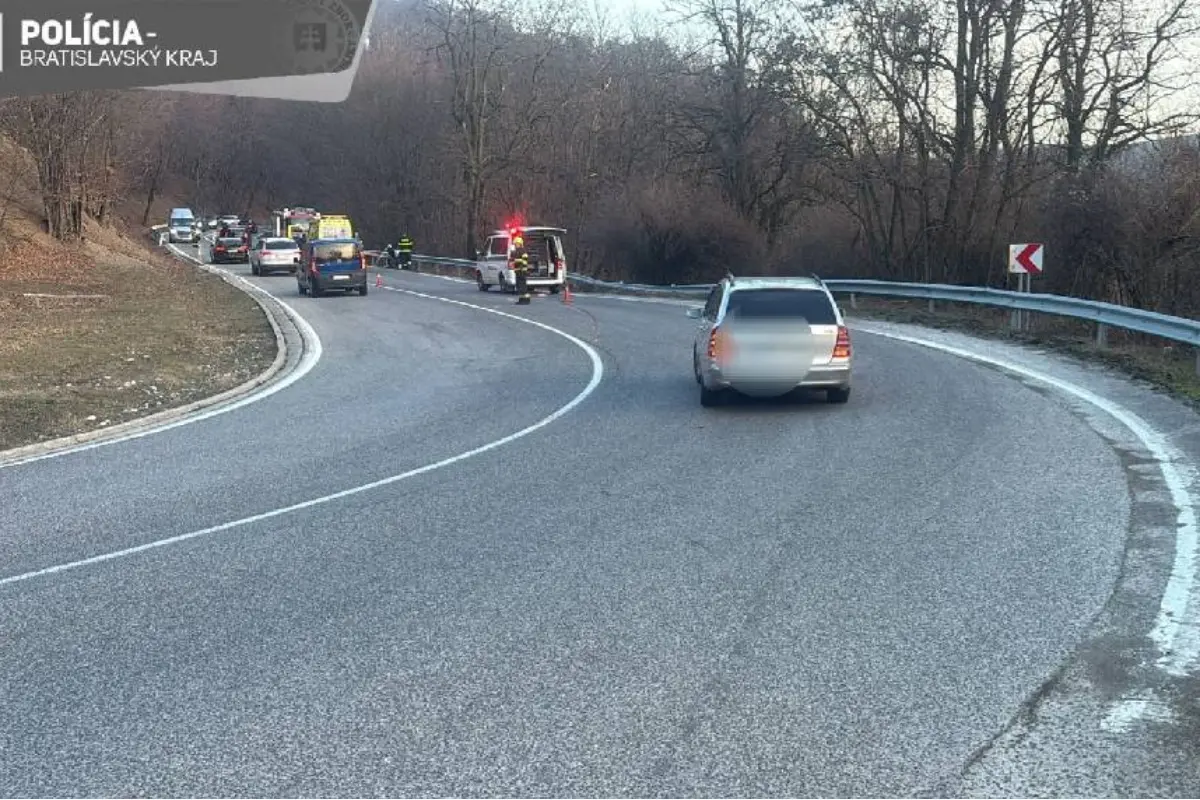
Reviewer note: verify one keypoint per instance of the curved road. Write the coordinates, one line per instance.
(642, 597)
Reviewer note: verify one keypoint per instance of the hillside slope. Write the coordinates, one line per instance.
(108, 329)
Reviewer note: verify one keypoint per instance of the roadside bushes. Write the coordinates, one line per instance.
(672, 233)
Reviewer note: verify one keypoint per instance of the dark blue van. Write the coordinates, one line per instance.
(337, 264)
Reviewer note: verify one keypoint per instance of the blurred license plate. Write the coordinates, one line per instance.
(341, 277)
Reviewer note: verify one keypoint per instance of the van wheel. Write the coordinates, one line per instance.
(362, 290)
(483, 287)
(837, 395)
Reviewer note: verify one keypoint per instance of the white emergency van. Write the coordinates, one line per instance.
(544, 248)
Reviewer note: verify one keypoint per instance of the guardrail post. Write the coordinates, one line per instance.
(1101, 334)
(853, 301)
(931, 306)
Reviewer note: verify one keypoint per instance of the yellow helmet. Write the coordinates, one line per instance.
(518, 240)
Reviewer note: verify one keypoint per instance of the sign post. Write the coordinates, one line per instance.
(1024, 261)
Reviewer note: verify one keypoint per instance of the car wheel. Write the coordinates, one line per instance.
(555, 289)
(710, 397)
(696, 368)
(362, 290)
(837, 395)
(483, 287)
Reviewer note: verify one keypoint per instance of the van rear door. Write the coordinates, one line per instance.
(333, 258)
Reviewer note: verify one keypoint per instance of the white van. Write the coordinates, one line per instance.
(547, 260)
(181, 226)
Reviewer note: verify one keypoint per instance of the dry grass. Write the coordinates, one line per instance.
(1166, 365)
(148, 333)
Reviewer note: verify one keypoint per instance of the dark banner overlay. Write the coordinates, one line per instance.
(66, 45)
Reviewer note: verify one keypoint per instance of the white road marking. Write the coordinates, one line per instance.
(1176, 631)
(66, 296)
(593, 383)
(312, 354)
(1124, 713)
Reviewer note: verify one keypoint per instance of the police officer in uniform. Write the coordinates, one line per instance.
(520, 259)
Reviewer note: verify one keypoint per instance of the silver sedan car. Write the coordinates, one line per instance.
(766, 337)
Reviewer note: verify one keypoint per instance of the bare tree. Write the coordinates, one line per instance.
(472, 44)
(57, 130)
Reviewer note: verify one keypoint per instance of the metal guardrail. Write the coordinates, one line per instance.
(1103, 315)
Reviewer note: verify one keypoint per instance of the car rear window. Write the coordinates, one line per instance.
(812, 305)
(335, 251)
(230, 241)
(282, 246)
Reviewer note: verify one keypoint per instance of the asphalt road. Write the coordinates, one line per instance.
(643, 597)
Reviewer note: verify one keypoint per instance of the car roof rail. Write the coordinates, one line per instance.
(817, 278)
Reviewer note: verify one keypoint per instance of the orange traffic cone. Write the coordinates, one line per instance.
(568, 299)
(378, 281)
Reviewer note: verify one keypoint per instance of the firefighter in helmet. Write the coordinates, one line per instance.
(520, 262)
(404, 249)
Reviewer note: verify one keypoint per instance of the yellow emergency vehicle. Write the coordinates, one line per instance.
(332, 226)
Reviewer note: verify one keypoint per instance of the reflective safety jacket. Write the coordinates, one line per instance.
(520, 259)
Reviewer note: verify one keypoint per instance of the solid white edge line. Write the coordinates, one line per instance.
(593, 383)
(1174, 632)
(312, 354)
(1179, 646)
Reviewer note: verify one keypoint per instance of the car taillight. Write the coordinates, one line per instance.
(362, 261)
(220, 248)
(842, 348)
(718, 345)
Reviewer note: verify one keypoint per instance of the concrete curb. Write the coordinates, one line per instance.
(284, 363)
